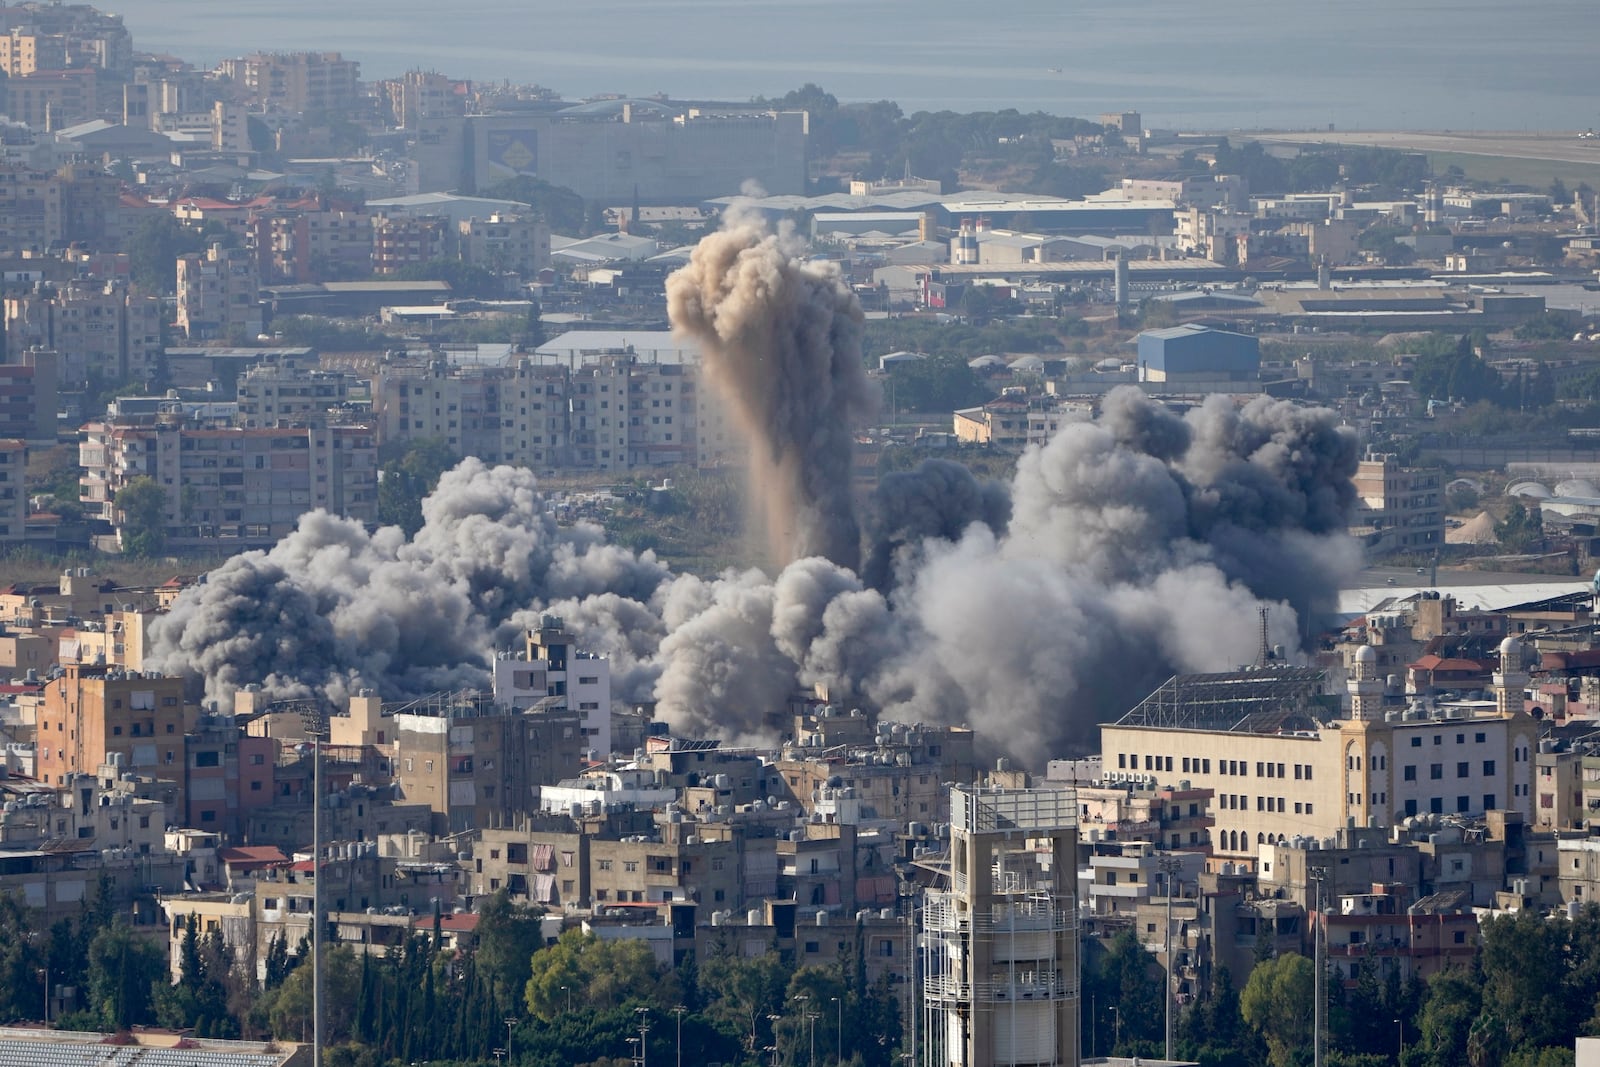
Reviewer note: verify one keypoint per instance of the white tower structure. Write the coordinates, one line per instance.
(1366, 687)
(999, 946)
(1510, 681)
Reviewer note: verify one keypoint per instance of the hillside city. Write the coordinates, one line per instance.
(388, 674)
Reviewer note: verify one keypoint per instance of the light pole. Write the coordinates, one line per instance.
(509, 1024)
(1318, 873)
(838, 1056)
(644, 1028)
(678, 1011)
(1170, 865)
(312, 718)
(568, 991)
(1400, 1037)
(811, 1031)
(803, 998)
(1116, 1028)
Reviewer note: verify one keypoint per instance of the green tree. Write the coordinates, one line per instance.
(559, 206)
(341, 986)
(744, 990)
(464, 279)
(508, 938)
(142, 505)
(155, 247)
(1135, 984)
(1456, 373)
(1274, 1003)
(125, 971)
(405, 480)
(1521, 529)
(598, 974)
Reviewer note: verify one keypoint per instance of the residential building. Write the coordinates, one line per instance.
(400, 241)
(30, 201)
(292, 83)
(518, 244)
(51, 100)
(423, 94)
(219, 294)
(13, 490)
(91, 714)
(310, 242)
(551, 672)
(1227, 192)
(286, 392)
(1002, 423)
(477, 764)
(104, 331)
(243, 487)
(1388, 927)
(1400, 509)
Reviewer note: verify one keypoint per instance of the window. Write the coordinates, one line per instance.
(1436, 805)
(1488, 802)
(1410, 773)
(1463, 769)
(1478, 738)
(1435, 771)
(1463, 804)
(1416, 742)
(1488, 768)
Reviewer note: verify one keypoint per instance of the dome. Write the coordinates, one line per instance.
(1577, 487)
(1510, 654)
(1027, 364)
(1366, 654)
(1533, 489)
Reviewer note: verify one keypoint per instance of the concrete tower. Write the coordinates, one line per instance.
(1366, 687)
(1000, 945)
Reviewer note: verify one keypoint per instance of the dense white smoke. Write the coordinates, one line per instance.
(1137, 545)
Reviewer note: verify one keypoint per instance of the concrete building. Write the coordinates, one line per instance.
(1226, 192)
(285, 392)
(1281, 766)
(13, 490)
(400, 241)
(1198, 359)
(92, 714)
(617, 151)
(50, 100)
(1400, 509)
(1000, 942)
(31, 202)
(477, 764)
(219, 294)
(519, 244)
(291, 83)
(105, 331)
(302, 242)
(28, 396)
(241, 487)
(550, 672)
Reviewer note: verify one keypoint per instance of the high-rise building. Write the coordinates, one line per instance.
(1000, 942)
(293, 83)
(219, 294)
(552, 672)
(105, 331)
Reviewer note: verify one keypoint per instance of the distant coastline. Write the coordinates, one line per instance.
(1242, 64)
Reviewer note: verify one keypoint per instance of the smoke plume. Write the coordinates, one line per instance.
(781, 338)
(1124, 549)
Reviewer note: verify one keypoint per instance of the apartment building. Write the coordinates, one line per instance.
(400, 241)
(1400, 509)
(13, 491)
(219, 294)
(477, 764)
(105, 331)
(307, 242)
(91, 714)
(245, 487)
(30, 201)
(285, 392)
(292, 83)
(551, 672)
(469, 409)
(519, 244)
(24, 50)
(423, 94)
(50, 100)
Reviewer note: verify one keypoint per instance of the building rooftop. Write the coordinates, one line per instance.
(1268, 700)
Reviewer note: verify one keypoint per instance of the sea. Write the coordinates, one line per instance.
(1184, 64)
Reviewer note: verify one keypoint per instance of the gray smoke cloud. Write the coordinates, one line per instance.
(1126, 548)
(781, 337)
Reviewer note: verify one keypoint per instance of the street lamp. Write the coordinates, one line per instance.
(1116, 1028)
(1170, 865)
(678, 1011)
(509, 1024)
(1400, 1037)
(568, 991)
(644, 1028)
(838, 1033)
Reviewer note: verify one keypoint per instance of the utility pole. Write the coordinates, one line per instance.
(839, 1033)
(644, 1028)
(1171, 865)
(312, 718)
(678, 1011)
(1318, 873)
